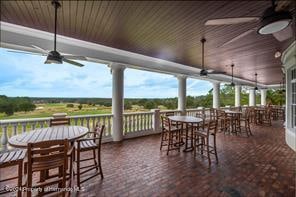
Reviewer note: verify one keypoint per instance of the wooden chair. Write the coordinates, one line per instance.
(202, 140)
(171, 136)
(12, 158)
(59, 121)
(246, 119)
(44, 156)
(223, 121)
(93, 144)
(267, 116)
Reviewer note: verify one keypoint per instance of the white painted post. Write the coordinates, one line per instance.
(182, 94)
(263, 96)
(216, 94)
(238, 89)
(156, 120)
(117, 100)
(252, 97)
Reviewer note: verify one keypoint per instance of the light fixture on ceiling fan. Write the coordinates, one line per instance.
(274, 20)
(54, 57)
(203, 71)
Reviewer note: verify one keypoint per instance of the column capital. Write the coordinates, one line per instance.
(181, 76)
(216, 82)
(117, 66)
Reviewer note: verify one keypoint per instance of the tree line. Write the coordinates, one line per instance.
(9, 105)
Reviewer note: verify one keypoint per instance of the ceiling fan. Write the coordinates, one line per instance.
(203, 71)
(232, 83)
(256, 87)
(54, 56)
(274, 20)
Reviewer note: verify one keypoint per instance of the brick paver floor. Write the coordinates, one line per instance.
(261, 165)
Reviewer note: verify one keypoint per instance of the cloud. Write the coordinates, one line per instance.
(27, 75)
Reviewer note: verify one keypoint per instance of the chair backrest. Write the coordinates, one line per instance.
(47, 155)
(213, 114)
(165, 123)
(220, 114)
(59, 121)
(41, 154)
(98, 132)
(212, 127)
(169, 113)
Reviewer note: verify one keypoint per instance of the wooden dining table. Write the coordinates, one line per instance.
(187, 121)
(47, 134)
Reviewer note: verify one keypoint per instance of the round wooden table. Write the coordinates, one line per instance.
(49, 133)
(186, 120)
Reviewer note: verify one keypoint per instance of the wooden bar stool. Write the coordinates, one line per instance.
(12, 158)
(202, 141)
(93, 144)
(171, 136)
(45, 156)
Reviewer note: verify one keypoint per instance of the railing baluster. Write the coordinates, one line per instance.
(24, 127)
(14, 126)
(109, 125)
(4, 137)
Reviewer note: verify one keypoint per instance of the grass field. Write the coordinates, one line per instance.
(46, 110)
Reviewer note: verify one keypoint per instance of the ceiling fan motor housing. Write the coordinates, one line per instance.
(54, 57)
(273, 21)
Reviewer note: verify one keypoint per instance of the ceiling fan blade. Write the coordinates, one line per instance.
(231, 21)
(72, 62)
(239, 36)
(284, 34)
(216, 72)
(75, 57)
(25, 52)
(40, 49)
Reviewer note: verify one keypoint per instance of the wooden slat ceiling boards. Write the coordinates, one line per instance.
(169, 30)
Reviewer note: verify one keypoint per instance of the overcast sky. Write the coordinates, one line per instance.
(27, 75)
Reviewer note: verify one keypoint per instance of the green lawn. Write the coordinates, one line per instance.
(46, 110)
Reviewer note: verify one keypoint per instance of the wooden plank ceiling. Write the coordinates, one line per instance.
(168, 30)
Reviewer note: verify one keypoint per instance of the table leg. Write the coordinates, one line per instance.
(187, 149)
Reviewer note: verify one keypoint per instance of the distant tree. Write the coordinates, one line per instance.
(127, 105)
(70, 105)
(7, 107)
(80, 106)
(26, 106)
(149, 105)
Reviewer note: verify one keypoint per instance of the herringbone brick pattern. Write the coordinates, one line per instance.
(261, 165)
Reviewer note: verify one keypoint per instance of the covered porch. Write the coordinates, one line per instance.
(133, 165)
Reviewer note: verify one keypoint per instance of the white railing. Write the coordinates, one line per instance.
(137, 124)
(134, 124)
(16, 126)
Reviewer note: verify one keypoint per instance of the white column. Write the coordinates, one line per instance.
(263, 96)
(117, 100)
(238, 89)
(216, 94)
(252, 97)
(182, 94)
